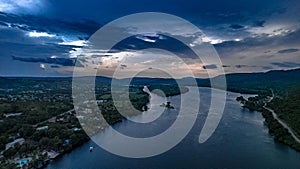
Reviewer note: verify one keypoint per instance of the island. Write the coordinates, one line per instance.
(167, 105)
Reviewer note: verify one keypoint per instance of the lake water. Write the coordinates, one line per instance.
(240, 141)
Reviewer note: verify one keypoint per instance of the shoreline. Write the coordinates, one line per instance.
(89, 138)
(279, 130)
(269, 120)
(120, 121)
(266, 118)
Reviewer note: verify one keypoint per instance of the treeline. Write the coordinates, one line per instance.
(280, 81)
(61, 136)
(255, 103)
(137, 98)
(287, 108)
(280, 133)
(167, 90)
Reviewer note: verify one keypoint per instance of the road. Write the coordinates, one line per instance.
(280, 121)
(53, 118)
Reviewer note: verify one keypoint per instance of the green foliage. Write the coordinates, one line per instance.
(167, 90)
(288, 109)
(280, 133)
(286, 104)
(137, 97)
(280, 81)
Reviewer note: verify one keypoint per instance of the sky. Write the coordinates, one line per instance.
(45, 37)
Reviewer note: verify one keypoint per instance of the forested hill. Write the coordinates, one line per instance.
(255, 83)
(280, 81)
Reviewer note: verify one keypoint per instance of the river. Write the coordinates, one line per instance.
(240, 141)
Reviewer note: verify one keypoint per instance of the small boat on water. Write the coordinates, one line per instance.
(91, 149)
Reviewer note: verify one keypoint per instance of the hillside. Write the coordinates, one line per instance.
(280, 81)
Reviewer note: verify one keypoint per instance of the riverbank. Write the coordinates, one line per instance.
(113, 120)
(168, 90)
(240, 141)
(268, 120)
(279, 129)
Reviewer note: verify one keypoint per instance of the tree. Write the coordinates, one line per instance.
(9, 153)
(44, 142)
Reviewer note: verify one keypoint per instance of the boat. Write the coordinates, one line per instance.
(91, 149)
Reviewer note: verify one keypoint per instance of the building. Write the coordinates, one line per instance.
(42, 128)
(12, 144)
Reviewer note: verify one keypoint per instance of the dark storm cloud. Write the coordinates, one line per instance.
(259, 23)
(81, 28)
(267, 67)
(288, 50)
(3, 24)
(57, 61)
(263, 41)
(241, 66)
(54, 66)
(205, 11)
(231, 22)
(123, 66)
(212, 66)
(16, 42)
(164, 42)
(236, 26)
(226, 66)
(286, 64)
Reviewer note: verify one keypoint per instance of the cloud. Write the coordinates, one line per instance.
(149, 37)
(240, 66)
(40, 34)
(54, 66)
(236, 26)
(49, 60)
(38, 26)
(239, 37)
(286, 64)
(212, 66)
(77, 43)
(267, 67)
(23, 6)
(288, 50)
(226, 66)
(259, 23)
(123, 66)
(42, 66)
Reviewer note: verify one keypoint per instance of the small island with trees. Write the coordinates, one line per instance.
(167, 105)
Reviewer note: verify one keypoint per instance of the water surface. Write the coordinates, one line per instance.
(240, 141)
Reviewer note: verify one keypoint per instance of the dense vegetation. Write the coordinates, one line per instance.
(278, 131)
(137, 98)
(252, 103)
(288, 109)
(167, 90)
(286, 103)
(260, 83)
(37, 142)
(32, 112)
(36, 100)
(39, 110)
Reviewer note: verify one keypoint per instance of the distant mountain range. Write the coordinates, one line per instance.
(279, 80)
